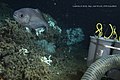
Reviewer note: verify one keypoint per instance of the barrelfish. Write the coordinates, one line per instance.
(31, 18)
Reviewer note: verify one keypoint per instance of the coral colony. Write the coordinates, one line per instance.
(27, 55)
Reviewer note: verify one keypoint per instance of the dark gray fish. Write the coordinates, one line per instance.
(31, 18)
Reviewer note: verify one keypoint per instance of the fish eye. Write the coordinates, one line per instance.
(21, 15)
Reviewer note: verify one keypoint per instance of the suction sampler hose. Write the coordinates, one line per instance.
(97, 70)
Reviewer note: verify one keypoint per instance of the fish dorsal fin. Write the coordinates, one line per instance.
(37, 10)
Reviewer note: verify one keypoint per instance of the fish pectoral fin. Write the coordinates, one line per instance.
(27, 19)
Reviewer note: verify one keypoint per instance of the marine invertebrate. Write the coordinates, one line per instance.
(74, 35)
(15, 44)
(39, 31)
(14, 31)
(23, 51)
(47, 46)
(22, 66)
(46, 60)
(52, 23)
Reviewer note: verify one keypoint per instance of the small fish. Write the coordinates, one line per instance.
(31, 18)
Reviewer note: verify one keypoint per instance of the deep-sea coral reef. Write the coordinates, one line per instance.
(20, 59)
(29, 66)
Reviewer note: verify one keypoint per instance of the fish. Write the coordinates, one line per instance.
(31, 18)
